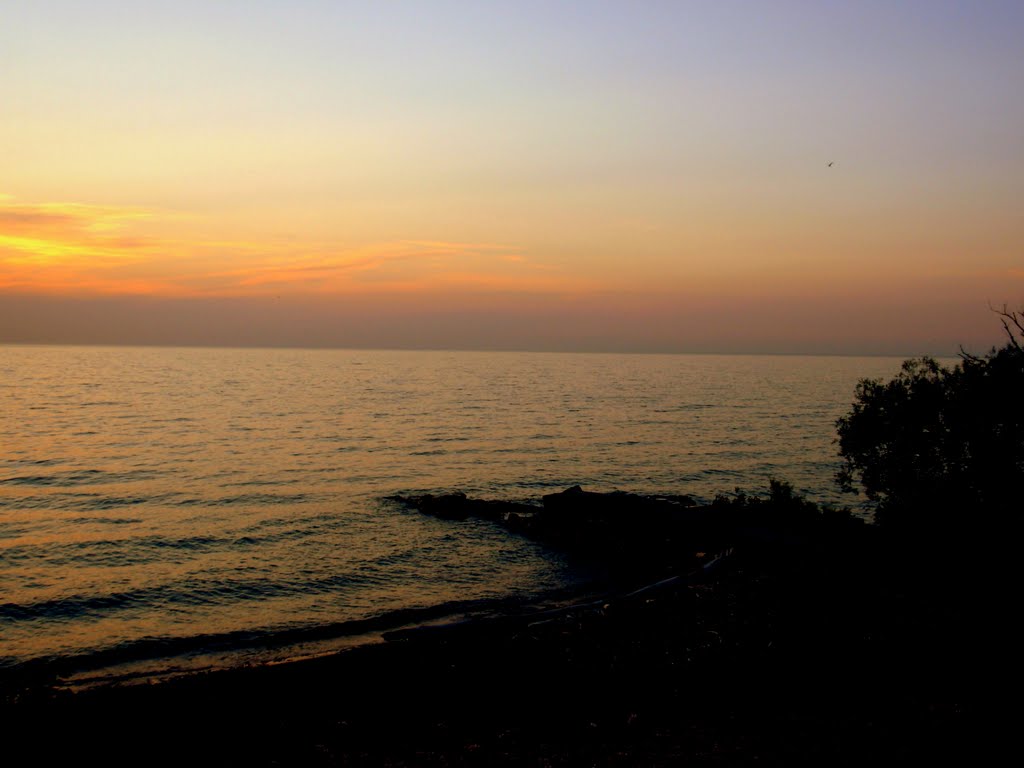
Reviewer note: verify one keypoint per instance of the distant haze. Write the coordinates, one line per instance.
(646, 176)
(511, 323)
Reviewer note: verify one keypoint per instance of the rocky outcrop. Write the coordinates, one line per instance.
(458, 506)
(648, 535)
(619, 528)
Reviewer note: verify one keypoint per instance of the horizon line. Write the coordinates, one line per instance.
(481, 350)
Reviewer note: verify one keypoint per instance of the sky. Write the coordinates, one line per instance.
(793, 177)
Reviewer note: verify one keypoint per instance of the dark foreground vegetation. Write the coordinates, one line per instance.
(750, 631)
(941, 447)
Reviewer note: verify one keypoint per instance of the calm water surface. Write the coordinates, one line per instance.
(166, 502)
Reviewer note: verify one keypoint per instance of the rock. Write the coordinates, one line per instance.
(457, 506)
(448, 506)
(623, 531)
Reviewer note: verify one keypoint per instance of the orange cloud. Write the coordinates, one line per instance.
(72, 248)
(65, 247)
(62, 247)
(403, 265)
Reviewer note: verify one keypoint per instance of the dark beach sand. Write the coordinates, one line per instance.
(793, 650)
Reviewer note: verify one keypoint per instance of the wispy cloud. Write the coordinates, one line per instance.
(62, 234)
(402, 265)
(65, 218)
(78, 248)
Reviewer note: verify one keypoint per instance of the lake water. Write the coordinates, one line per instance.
(167, 504)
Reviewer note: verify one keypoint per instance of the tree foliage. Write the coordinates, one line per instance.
(938, 443)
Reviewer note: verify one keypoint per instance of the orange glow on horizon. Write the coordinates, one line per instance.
(703, 291)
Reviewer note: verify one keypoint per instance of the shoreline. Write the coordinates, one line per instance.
(827, 647)
(158, 659)
(75, 674)
(201, 655)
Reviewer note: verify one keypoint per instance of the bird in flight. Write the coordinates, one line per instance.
(830, 164)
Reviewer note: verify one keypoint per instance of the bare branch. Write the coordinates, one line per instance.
(1006, 317)
(967, 356)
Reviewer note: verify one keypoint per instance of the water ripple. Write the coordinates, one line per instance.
(204, 493)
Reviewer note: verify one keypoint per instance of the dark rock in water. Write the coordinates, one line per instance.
(616, 523)
(450, 506)
(643, 535)
(457, 506)
(520, 522)
(575, 491)
(575, 500)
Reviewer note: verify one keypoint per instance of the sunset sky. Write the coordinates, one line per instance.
(648, 176)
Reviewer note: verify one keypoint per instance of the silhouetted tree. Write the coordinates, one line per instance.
(940, 445)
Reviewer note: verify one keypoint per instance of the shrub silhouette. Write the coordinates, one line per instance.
(937, 445)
